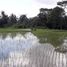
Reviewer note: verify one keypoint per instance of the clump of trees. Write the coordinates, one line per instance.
(54, 18)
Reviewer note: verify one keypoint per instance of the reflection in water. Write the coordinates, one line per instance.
(13, 50)
(26, 51)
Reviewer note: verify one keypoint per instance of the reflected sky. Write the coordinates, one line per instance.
(17, 43)
(26, 51)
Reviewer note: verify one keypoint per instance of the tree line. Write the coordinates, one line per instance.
(54, 18)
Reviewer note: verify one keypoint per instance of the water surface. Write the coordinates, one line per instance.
(26, 51)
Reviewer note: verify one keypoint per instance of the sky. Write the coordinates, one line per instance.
(28, 7)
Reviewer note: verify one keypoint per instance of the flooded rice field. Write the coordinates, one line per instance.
(26, 51)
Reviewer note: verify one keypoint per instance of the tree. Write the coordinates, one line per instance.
(42, 19)
(34, 22)
(12, 20)
(23, 22)
(45, 11)
(55, 19)
(63, 3)
(65, 22)
(4, 19)
(44, 15)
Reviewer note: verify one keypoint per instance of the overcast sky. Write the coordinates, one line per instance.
(28, 7)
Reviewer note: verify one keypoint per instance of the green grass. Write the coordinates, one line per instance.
(55, 37)
(6, 30)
